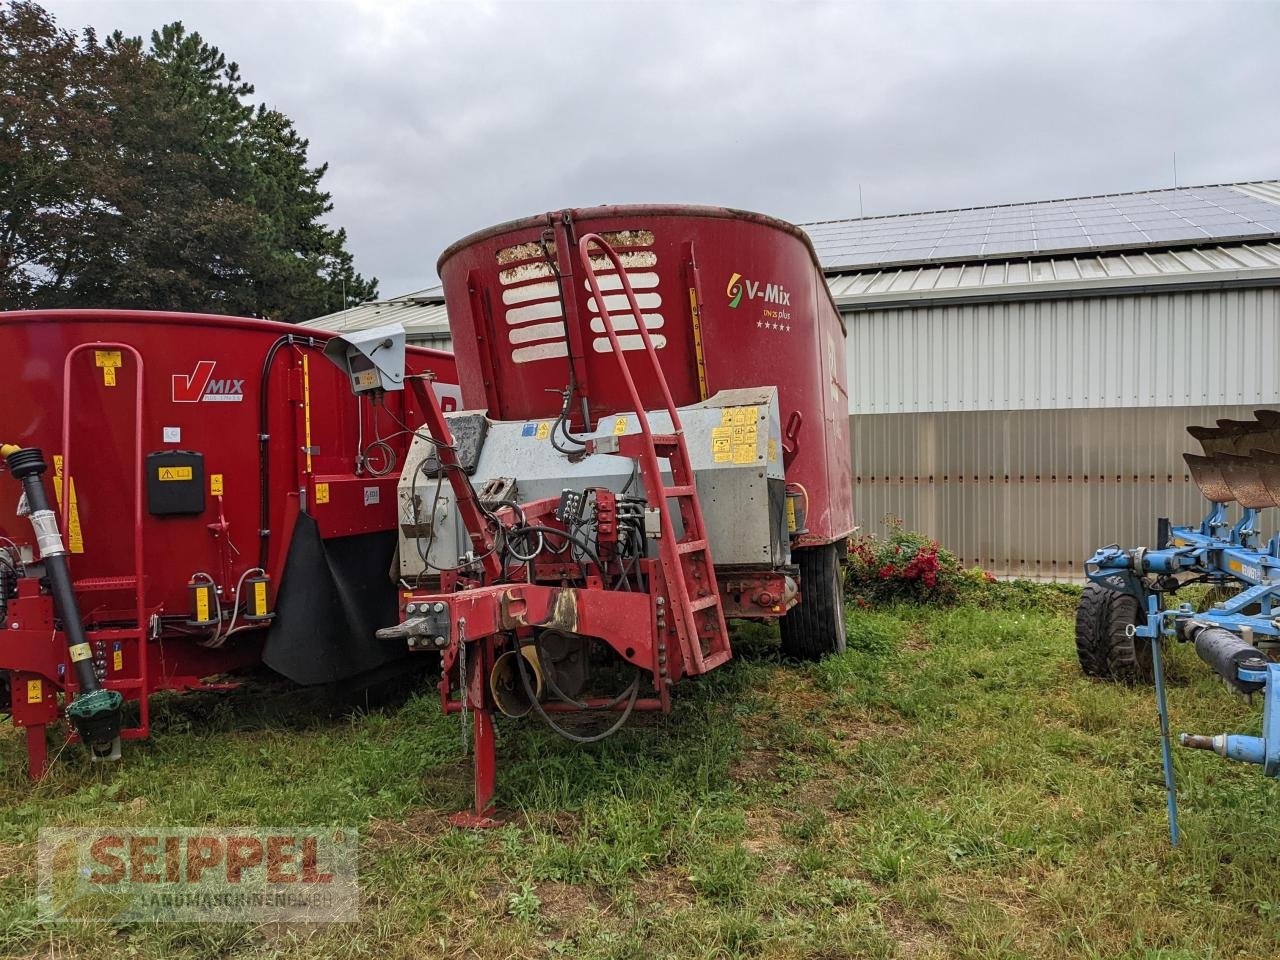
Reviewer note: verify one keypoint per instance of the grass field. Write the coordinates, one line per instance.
(950, 787)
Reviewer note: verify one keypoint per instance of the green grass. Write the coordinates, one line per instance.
(950, 787)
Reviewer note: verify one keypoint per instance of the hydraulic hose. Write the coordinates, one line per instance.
(95, 711)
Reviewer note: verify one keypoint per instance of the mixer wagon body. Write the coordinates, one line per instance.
(732, 300)
(215, 500)
(654, 440)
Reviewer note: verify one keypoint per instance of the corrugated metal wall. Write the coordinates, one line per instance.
(1030, 493)
(1025, 434)
(1143, 350)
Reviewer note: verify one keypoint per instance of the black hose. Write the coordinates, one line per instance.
(264, 440)
(633, 692)
(95, 711)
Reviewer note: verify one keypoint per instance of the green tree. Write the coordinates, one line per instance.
(181, 194)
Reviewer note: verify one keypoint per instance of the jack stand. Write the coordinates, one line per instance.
(481, 816)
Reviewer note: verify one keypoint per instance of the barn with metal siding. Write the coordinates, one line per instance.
(421, 313)
(1023, 410)
(1021, 375)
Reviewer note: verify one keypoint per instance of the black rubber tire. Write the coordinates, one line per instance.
(1103, 645)
(814, 628)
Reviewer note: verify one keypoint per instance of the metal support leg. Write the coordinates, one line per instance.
(37, 752)
(1154, 629)
(481, 815)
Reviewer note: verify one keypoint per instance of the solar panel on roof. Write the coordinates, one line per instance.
(1136, 220)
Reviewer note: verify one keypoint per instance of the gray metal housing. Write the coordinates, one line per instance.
(735, 449)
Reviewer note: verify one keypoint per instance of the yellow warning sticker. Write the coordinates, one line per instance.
(738, 416)
(260, 599)
(80, 652)
(108, 360)
(215, 484)
(722, 444)
(791, 515)
(75, 540)
(773, 450)
(744, 453)
(202, 604)
(117, 660)
(174, 473)
(544, 430)
(35, 691)
(322, 493)
(619, 426)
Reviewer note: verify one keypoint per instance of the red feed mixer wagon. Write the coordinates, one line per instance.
(654, 439)
(199, 494)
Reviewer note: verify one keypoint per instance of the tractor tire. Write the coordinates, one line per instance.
(1103, 645)
(814, 628)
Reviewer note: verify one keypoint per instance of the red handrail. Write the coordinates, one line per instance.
(584, 248)
(65, 506)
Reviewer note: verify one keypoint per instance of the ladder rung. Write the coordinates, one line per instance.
(691, 546)
(684, 490)
(713, 660)
(703, 602)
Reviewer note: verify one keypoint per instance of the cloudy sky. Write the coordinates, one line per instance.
(441, 118)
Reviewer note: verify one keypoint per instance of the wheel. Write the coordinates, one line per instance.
(814, 627)
(1103, 645)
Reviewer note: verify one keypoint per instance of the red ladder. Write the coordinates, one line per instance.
(687, 569)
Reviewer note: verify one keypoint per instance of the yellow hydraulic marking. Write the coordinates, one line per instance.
(322, 493)
(35, 691)
(174, 473)
(215, 484)
(619, 426)
(80, 652)
(306, 407)
(701, 359)
(75, 540)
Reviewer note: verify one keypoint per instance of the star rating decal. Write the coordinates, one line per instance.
(768, 325)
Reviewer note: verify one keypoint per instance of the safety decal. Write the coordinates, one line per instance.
(35, 691)
(322, 493)
(108, 360)
(75, 539)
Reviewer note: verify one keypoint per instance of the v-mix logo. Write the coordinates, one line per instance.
(201, 386)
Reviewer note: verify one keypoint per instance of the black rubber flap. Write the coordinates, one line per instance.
(333, 596)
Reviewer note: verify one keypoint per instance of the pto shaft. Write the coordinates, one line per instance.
(95, 712)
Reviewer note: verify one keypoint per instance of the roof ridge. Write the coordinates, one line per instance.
(1028, 203)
